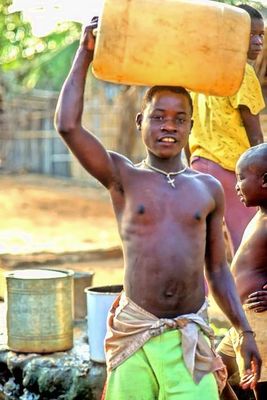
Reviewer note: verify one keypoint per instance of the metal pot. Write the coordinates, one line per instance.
(99, 301)
(39, 310)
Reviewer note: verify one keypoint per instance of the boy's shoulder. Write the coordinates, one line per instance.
(260, 222)
(121, 160)
(203, 176)
(210, 183)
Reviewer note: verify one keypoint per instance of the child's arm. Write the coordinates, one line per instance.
(252, 125)
(68, 118)
(224, 291)
(257, 301)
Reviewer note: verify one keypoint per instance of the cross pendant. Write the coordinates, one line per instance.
(170, 180)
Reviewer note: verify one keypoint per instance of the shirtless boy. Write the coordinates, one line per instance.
(170, 222)
(249, 265)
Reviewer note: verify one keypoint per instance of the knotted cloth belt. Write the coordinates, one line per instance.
(129, 327)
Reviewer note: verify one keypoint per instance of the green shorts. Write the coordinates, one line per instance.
(157, 372)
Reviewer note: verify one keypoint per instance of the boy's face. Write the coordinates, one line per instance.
(166, 123)
(249, 184)
(256, 38)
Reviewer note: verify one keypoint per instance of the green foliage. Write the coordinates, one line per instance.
(254, 3)
(30, 61)
(49, 70)
(219, 332)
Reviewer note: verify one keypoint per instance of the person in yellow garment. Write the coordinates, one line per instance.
(159, 343)
(249, 266)
(225, 127)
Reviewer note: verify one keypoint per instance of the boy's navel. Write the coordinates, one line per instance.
(141, 209)
(197, 216)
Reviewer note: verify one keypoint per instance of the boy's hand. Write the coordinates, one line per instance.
(87, 38)
(257, 301)
(252, 362)
(248, 380)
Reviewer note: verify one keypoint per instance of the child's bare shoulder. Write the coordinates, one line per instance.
(262, 225)
(208, 180)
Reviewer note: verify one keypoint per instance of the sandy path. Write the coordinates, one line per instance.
(43, 214)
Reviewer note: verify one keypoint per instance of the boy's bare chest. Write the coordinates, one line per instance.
(153, 204)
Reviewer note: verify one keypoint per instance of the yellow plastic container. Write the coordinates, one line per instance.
(199, 44)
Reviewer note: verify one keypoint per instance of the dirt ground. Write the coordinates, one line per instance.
(45, 214)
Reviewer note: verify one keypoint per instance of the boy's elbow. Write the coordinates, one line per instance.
(63, 126)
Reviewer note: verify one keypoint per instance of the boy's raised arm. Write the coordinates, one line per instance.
(68, 117)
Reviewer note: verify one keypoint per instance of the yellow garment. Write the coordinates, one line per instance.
(218, 133)
(130, 327)
(230, 343)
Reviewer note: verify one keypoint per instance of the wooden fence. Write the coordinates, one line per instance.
(29, 142)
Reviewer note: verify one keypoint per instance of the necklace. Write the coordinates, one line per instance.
(168, 175)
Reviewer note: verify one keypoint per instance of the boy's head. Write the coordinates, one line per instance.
(165, 120)
(251, 173)
(256, 32)
(149, 94)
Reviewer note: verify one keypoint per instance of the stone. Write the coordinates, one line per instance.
(69, 375)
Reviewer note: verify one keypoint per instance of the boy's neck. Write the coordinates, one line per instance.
(263, 210)
(251, 62)
(166, 164)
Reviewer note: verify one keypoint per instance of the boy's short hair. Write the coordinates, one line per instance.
(255, 155)
(255, 14)
(150, 93)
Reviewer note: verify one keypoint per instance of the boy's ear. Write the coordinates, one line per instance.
(138, 121)
(264, 180)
